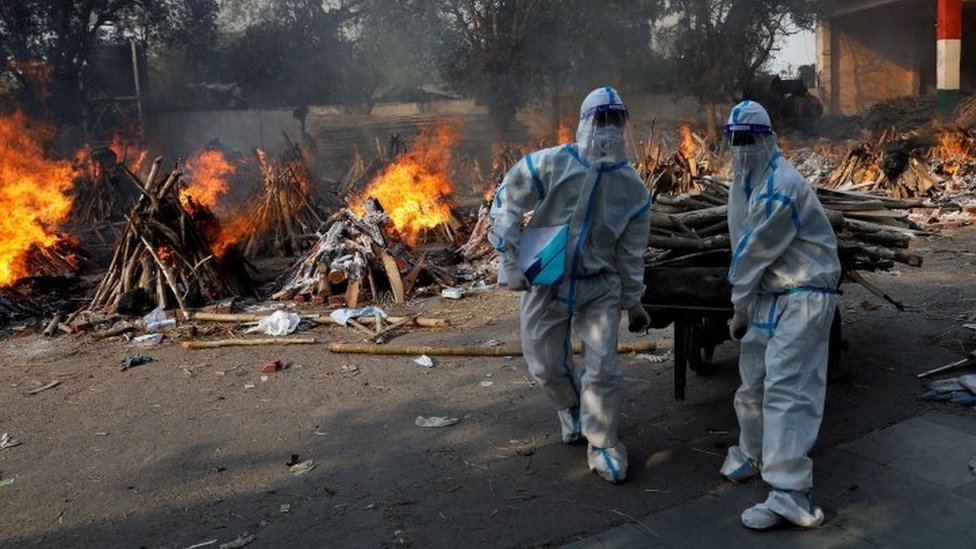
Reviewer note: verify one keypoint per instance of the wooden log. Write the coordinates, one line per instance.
(392, 273)
(218, 343)
(466, 350)
(52, 326)
(690, 244)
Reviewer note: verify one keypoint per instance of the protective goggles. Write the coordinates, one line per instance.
(744, 134)
(607, 112)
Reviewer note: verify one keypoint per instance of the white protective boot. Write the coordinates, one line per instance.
(782, 505)
(569, 421)
(739, 467)
(609, 463)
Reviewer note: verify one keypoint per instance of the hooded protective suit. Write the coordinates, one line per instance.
(784, 275)
(590, 188)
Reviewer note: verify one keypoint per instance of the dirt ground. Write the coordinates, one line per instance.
(193, 446)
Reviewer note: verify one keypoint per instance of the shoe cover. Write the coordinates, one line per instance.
(739, 467)
(609, 463)
(782, 505)
(569, 421)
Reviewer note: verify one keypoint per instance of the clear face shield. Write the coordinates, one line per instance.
(604, 135)
(751, 147)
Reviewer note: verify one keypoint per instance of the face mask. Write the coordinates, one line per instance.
(608, 142)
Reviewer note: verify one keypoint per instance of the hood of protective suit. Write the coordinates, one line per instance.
(749, 161)
(597, 141)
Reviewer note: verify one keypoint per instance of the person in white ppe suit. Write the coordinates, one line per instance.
(784, 275)
(590, 189)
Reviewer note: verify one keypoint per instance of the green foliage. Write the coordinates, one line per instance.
(63, 36)
(720, 46)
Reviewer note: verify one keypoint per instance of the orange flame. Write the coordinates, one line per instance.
(208, 172)
(128, 152)
(870, 173)
(232, 231)
(688, 146)
(784, 144)
(564, 134)
(32, 193)
(953, 151)
(415, 190)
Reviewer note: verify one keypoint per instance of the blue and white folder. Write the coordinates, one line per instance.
(542, 255)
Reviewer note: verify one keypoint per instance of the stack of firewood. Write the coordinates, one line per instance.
(867, 168)
(873, 232)
(678, 173)
(162, 258)
(104, 193)
(286, 213)
(358, 258)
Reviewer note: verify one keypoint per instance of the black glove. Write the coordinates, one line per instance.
(637, 319)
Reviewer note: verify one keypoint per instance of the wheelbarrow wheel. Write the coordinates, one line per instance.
(837, 370)
(699, 352)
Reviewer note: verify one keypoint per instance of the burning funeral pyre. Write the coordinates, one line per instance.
(286, 214)
(34, 194)
(379, 231)
(163, 258)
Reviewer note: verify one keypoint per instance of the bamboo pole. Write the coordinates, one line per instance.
(466, 350)
(215, 344)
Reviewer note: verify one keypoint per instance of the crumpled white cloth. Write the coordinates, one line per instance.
(278, 323)
(342, 316)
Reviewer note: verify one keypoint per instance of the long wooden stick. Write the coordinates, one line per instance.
(217, 343)
(465, 350)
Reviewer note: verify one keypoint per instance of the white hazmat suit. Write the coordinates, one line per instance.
(784, 275)
(590, 188)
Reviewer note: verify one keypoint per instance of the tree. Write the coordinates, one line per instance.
(62, 36)
(720, 46)
(507, 53)
(299, 52)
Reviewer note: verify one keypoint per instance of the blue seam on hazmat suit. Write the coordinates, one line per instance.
(575, 154)
(609, 463)
(535, 176)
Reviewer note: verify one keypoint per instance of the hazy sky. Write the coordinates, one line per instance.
(796, 50)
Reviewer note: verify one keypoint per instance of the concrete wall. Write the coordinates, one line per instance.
(877, 54)
(872, 51)
(183, 133)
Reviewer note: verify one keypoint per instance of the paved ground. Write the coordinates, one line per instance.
(905, 486)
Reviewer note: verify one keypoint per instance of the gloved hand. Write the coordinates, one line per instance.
(637, 319)
(517, 282)
(739, 324)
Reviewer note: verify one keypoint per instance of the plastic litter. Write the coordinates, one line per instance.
(342, 316)
(424, 361)
(135, 360)
(957, 390)
(6, 482)
(654, 359)
(452, 293)
(972, 465)
(486, 383)
(157, 320)
(435, 421)
(301, 468)
(271, 367)
(7, 441)
(147, 340)
(278, 323)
